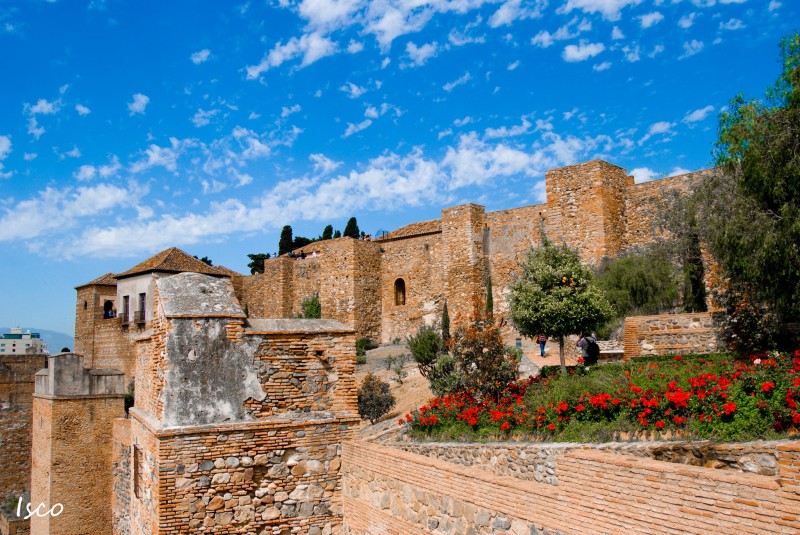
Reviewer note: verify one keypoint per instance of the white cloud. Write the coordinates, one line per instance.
(389, 20)
(659, 128)
(643, 174)
(691, 48)
(34, 129)
(698, 115)
(457, 38)
(514, 10)
(286, 112)
(505, 132)
(582, 51)
(732, 24)
(658, 49)
(200, 56)
(353, 90)
(354, 47)
(28, 156)
(354, 128)
(44, 107)
(650, 19)
(155, 156)
(59, 210)
(445, 133)
(203, 117)
(570, 114)
(570, 30)
(631, 53)
(74, 152)
(5, 150)
(82, 110)
(420, 55)
(463, 122)
(5, 147)
(455, 83)
(616, 34)
(373, 113)
(686, 21)
(602, 66)
(139, 103)
(323, 165)
(85, 172)
(679, 171)
(513, 66)
(327, 15)
(609, 9)
(774, 5)
(312, 47)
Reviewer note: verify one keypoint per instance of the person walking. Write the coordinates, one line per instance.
(542, 339)
(589, 349)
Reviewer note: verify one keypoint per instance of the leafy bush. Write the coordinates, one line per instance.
(426, 346)
(363, 345)
(312, 309)
(374, 398)
(361, 359)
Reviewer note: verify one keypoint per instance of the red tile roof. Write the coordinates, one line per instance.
(173, 260)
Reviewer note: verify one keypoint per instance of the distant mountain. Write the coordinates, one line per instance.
(54, 340)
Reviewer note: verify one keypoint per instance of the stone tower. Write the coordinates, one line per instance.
(73, 411)
(586, 208)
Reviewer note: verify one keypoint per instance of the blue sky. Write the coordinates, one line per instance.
(130, 127)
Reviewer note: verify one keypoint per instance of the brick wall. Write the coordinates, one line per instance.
(670, 334)
(392, 491)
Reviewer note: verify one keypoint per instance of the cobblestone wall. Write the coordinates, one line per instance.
(670, 334)
(388, 490)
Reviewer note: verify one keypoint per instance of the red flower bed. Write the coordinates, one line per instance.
(716, 396)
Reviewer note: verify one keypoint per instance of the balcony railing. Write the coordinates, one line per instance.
(138, 316)
(124, 318)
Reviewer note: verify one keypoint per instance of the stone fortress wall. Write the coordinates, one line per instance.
(593, 206)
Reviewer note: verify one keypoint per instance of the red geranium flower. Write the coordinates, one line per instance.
(729, 407)
(767, 386)
(552, 427)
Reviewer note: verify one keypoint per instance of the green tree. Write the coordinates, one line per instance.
(351, 229)
(206, 260)
(337, 234)
(374, 398)
(554, 295)
(750, 211)
(301, 241)
(327, 234)
(426, 346)
(640, 283)
(286, 242)
(256, 264)
(311, 307)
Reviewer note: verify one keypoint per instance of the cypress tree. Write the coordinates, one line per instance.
(337, 234)
(327, 234)
(286, 242)
(351, 229)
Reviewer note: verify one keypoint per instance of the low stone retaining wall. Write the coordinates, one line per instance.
(539, 462)
(597, 490)
(670, 333)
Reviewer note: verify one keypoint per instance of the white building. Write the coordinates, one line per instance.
(18, 343)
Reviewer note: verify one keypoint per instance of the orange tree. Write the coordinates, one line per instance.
(554, 295)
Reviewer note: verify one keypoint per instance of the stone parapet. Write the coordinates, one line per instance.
(65, 376)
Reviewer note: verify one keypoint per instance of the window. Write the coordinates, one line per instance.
(108, 309)
(139, 315)
(126, 309)
(399, 292)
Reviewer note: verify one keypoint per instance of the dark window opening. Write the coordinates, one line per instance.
(126, 309)
(138, 480)
(139, 314)
(399, 292)
(108, 309)
(85, 305)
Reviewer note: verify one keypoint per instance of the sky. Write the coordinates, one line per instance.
(130, 127)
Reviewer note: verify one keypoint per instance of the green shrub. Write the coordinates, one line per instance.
(312, 309)
(363, 345)
(361, 359)
(374, 398)
(426, 346)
